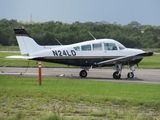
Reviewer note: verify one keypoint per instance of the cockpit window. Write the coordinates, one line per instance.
(77, 48)
(97, 46)
(110, 46)
(121, 47)
(86, 47)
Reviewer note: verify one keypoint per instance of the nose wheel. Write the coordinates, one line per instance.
(83, 73)
(130, 75)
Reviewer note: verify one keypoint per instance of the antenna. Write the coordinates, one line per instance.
(58, 41)
(92, 36)
(31, 17)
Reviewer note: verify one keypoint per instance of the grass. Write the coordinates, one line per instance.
(152, 62)
(23, 98)
(148, 62)
(9, 48)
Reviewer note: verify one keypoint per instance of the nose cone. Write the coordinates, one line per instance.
(136, 51)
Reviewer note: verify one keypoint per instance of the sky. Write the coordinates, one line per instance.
(146, 12)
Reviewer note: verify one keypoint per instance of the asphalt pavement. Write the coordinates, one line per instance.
(148, 76)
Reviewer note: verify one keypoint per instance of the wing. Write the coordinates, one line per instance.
(126, 58)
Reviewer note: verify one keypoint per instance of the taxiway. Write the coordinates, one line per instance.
(150, 76)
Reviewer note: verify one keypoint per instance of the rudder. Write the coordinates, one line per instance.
(26, 44)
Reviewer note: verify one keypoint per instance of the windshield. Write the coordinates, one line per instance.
(121, 47)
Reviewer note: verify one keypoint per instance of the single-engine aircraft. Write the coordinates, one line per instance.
(88, 54)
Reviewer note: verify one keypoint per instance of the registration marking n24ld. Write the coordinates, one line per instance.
(64, 52)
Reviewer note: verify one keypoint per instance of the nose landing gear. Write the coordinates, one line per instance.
(131, 74)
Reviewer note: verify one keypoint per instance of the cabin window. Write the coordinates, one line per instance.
(97, 46)
(77, 48)
(110, 46)
(86, 47)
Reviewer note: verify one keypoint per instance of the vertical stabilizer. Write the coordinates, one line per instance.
(26, 44)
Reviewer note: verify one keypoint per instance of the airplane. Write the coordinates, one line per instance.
(88, 54)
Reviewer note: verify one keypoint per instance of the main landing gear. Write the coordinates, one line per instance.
(83, 73)
(117, 73)
(118, 68)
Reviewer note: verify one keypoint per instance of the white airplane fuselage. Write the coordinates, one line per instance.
(88, 54)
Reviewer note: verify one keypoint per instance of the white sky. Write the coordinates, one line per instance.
(146, 12)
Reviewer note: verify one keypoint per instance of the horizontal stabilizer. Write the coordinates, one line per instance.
(23, 57)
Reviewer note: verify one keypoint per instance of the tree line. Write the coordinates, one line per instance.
(132, 35)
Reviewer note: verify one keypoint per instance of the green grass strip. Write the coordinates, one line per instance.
(84, 90)
(24, 95)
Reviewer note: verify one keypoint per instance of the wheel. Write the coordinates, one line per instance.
(130, 75)
(83, 74)
(116, 75)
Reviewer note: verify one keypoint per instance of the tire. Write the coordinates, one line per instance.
(130, 75)
(116, 75)
(83, 74)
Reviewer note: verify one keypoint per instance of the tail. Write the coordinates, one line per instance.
(26, 44)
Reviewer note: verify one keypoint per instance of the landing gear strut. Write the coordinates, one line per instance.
(131, 74)
(117, 73)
